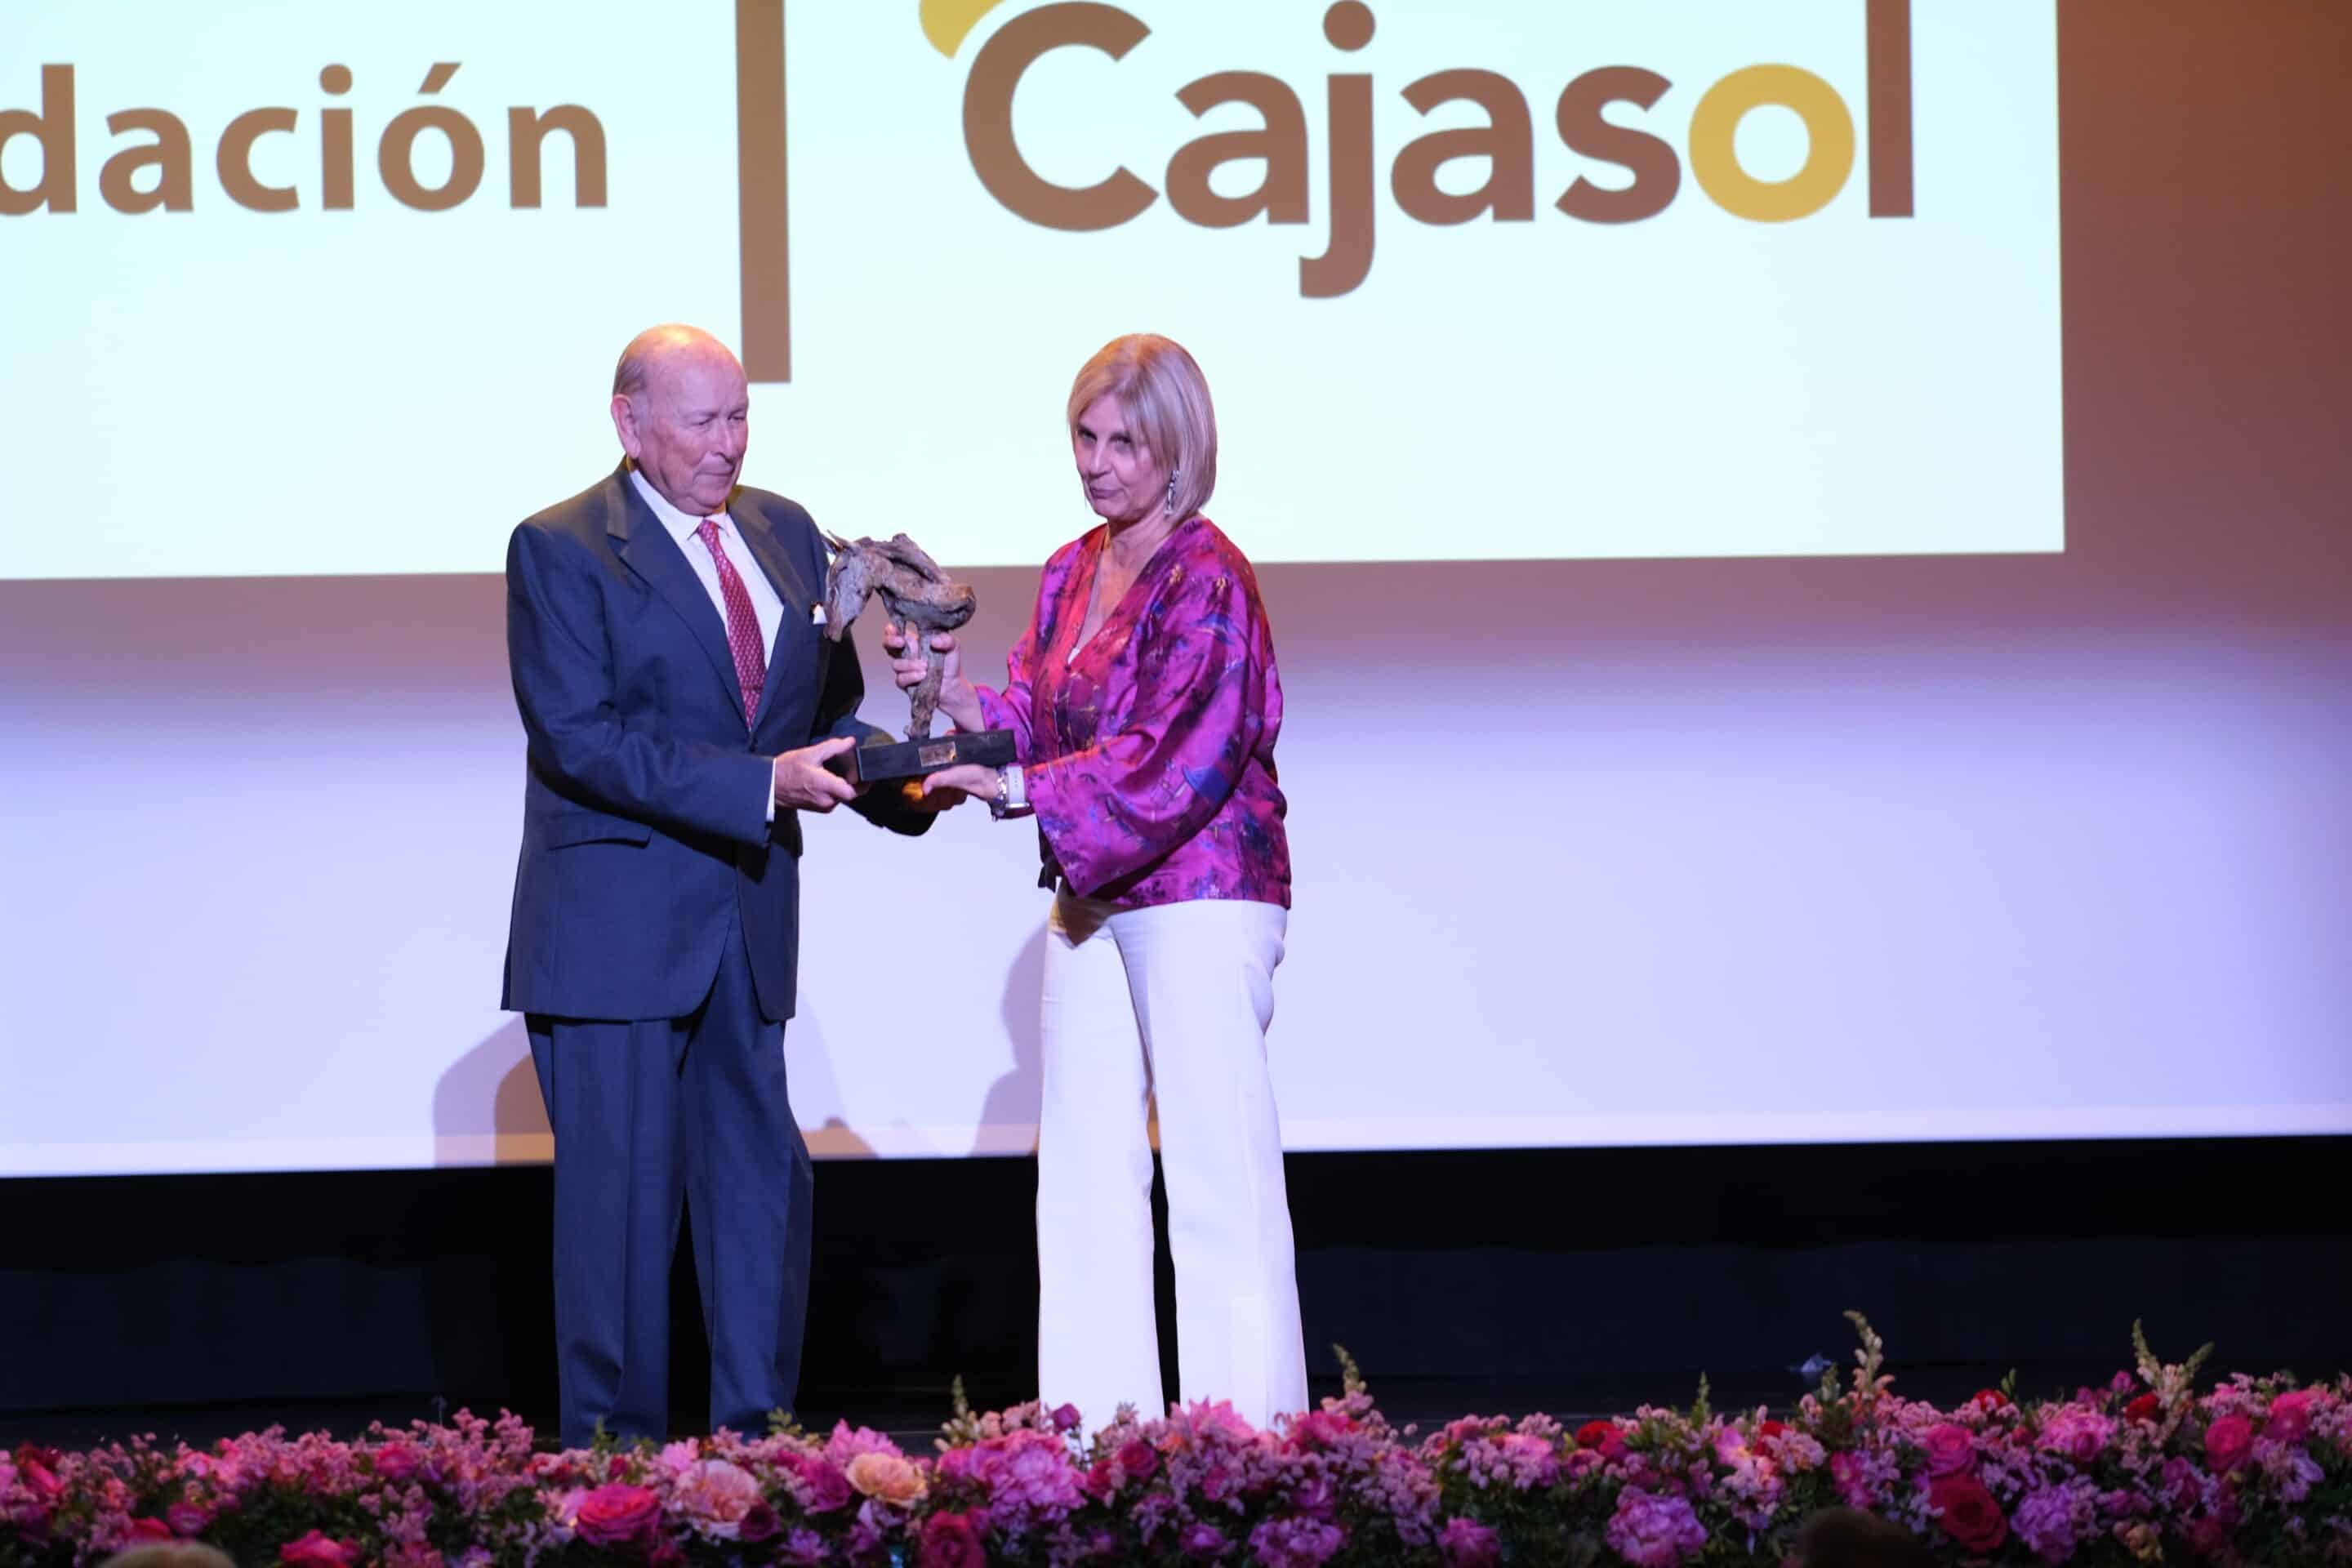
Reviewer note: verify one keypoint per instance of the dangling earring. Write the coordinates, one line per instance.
(1169, 506)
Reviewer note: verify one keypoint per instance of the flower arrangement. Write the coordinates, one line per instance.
(2143, 1471)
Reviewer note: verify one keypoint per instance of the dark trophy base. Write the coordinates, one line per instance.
(881, 761)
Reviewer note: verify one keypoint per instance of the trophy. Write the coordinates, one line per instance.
(922, 601)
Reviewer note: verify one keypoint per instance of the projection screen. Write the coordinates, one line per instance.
(1703, 726)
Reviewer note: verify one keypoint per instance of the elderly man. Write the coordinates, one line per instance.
(680, 701)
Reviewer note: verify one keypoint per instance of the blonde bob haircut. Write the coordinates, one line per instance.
(1166, 400)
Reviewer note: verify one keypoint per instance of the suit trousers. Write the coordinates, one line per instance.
(651, 1116)
(1167, 1005)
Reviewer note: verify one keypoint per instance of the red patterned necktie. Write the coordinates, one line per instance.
(743, 622)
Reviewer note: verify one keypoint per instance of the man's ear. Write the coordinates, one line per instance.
(625, 424)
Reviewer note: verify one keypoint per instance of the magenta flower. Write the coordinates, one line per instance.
(2080, 1433)
(823, 1487)
(1296, 1542)
(618, 1515)
(759, 1523)
(319, 1551)
(395, 1461)
(1969, 1514)
(1602, 1436)
(2054, 1521)
(187, 1518)
(847, 1442)
(2227, 1442)
(1852, 1483)
(1202, 1543)
(1466, 1543)
(1319, 1429)
(2290, 1418)
(953, 1540)
(1218, 1416)
(804, 1548)
(1655, 1532)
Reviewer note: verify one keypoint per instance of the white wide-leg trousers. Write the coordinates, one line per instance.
(1169, 1003)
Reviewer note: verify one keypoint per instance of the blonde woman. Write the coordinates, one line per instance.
(1146, 705)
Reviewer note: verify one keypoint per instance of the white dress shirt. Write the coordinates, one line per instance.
(765, 606)
(681, 526)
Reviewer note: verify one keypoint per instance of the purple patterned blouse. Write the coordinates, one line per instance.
(1149, 757)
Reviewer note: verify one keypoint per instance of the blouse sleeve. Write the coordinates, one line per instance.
(1011, 708)
(1117, 805)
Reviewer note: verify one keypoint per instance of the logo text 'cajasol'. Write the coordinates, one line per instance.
(1506, 143)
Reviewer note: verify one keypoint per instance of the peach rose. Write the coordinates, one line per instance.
(888, 1477)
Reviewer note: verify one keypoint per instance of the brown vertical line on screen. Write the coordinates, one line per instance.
(764, 234)
(1889, 28)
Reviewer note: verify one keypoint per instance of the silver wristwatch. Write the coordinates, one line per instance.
(1010, 796)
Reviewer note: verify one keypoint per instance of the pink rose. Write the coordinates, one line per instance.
(1066, 1418)
(716, 1495)
(2227, 1442)
(952, 1541)
(187, 1518)
(618, 1515)
(2080, 1435)
(2290, 1419)
(147, 1529)
(395, 1461)
(1138, 1458)
(890, 1478)
(319, 1551)
(1951, 1450)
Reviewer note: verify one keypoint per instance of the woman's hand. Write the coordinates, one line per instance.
(958, 701)
(963, 779)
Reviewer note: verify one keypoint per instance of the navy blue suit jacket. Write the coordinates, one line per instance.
(643, 821)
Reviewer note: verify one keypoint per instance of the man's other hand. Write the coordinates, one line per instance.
(803, 783)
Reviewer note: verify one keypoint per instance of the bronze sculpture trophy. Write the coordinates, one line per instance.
(919, 597)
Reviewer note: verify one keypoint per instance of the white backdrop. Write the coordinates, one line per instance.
(1590, 850)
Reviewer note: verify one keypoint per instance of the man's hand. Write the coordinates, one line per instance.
(802, 782)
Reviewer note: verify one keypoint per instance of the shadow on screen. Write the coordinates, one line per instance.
(486, 1109)
(1008, 1113)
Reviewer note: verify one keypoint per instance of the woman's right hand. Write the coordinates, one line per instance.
(958, 701)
